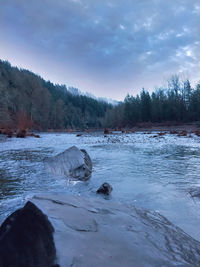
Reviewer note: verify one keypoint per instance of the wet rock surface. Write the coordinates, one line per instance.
(94, 232)
(26, 239)
(72, 163)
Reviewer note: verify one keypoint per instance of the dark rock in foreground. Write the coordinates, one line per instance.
(26, 239)
(72, 163)
(105, 189)
(93, 232)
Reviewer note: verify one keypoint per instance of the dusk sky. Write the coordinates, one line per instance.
(105, 47)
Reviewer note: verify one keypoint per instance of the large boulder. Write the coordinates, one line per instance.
(26, 239)
(95, 232)
(73, 163)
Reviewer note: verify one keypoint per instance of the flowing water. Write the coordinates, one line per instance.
(154, 173)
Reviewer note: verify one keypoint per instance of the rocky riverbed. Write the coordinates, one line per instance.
(155, 173)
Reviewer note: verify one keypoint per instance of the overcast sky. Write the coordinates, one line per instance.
(106, 47)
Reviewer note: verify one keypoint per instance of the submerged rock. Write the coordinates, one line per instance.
(105, 189)
(195, 192)
(72, 163)
(26, 239)
(93, 232)
(33, 135)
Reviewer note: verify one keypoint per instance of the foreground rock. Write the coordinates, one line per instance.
(72, 163)
(26, 239)
(99, 233)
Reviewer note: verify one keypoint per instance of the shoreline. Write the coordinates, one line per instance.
(138, 128)
(142, 127)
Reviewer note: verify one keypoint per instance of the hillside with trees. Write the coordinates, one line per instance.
(28, 101)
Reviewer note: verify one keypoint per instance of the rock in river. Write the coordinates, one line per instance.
(94, 232)
(26, 239)
(195, 192)
(72, 163)
(105, 189)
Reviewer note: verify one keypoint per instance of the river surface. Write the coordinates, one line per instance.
(153, 173)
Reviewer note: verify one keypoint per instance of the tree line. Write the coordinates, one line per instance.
(178, 102)
(28, 101)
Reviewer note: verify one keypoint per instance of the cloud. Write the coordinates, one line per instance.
(106, 47)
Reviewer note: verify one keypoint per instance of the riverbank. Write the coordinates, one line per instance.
(140, 127)
(189, 127)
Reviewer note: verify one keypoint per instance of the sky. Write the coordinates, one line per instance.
(106, 47)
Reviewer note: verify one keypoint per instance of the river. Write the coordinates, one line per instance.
(153, 173)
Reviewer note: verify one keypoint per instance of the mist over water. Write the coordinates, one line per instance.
(153, 173)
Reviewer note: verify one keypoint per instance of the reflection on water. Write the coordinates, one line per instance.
(151, 173)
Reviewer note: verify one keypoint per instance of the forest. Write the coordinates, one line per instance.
(176, 103)
(28, 101)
